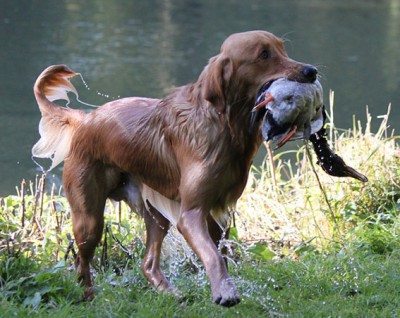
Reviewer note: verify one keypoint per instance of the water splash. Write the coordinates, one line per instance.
(41, 168)
(178, 257)
(347, 277)
(77, 97)
(107, 96)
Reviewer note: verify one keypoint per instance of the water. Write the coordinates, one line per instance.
(143, 48)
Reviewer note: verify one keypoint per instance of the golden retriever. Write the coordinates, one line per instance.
(182, 160)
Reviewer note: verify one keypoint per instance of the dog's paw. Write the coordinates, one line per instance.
(226, 295)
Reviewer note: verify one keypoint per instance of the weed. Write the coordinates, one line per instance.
(298, 247)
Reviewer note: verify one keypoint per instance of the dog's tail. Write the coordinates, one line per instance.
(58, 123)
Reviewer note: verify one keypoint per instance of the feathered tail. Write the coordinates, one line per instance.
(58, 123)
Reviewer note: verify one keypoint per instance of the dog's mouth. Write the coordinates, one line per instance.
(289, 110)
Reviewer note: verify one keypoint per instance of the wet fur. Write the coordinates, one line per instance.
(183, 159)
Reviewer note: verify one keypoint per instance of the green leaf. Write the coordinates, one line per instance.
(261, 251)
(59, 266)
(234, 234)
(42, 277)
(33, 301)
(305, 248)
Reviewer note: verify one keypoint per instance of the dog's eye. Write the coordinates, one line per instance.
(265, 55)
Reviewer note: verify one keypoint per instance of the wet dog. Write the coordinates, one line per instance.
(182, 160)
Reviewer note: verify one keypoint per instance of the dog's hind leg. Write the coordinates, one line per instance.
(156, 228)
(86, 193)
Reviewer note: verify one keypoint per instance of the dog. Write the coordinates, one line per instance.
(182, 160)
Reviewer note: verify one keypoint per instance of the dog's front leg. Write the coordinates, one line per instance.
(193, 226)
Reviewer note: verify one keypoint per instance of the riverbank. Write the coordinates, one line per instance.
(302, 244)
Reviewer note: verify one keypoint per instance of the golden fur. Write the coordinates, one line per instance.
(183, 159)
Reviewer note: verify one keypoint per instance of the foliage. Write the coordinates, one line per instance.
(295, 203)
(292, 252)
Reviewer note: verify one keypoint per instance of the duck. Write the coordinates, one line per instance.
(292, 110)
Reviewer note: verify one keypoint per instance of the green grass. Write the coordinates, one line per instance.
(346, 283)
(292, 253)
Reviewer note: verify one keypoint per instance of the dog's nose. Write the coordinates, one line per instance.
(310, 73)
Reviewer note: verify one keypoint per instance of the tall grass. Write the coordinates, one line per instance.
(285, 201)
(289, 208)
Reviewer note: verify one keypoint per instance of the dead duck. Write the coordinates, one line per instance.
(292, 110)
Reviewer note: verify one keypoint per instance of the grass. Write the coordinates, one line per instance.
(296, 249)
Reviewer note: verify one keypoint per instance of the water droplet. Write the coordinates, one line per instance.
(97, 92)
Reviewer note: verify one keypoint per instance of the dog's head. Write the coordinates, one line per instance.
(248, 62)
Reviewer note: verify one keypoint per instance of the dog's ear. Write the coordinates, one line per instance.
(216, 81)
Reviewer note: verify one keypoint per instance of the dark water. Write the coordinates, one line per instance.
(126, 48)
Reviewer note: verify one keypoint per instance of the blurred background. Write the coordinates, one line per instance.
(144, 48)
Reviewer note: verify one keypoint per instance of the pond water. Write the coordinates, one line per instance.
(143, 48)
